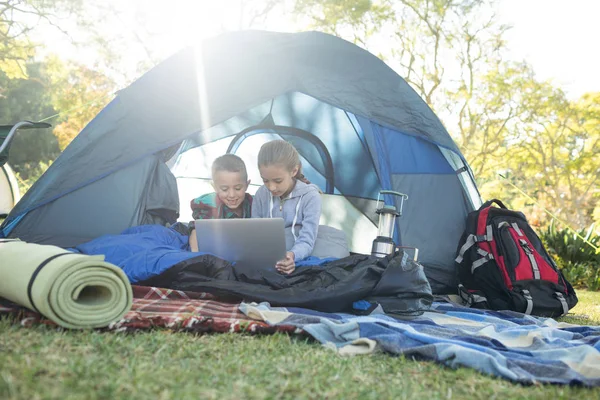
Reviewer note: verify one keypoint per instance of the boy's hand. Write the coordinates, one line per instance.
(287, 265)
(193, 241)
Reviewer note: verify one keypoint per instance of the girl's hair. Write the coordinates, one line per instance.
(284, 153)
(230, 163)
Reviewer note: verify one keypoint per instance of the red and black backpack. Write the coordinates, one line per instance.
(503, 265)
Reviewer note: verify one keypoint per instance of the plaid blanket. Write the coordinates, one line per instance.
(171, 309)
(511, 345)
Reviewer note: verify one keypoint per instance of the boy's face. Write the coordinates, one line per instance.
(230, 188)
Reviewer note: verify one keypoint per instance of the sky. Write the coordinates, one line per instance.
(555, 36)
(559, 38)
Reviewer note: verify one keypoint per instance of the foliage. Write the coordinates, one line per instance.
(28, 99)
(42, 362)
(33, 173)
(357, 20)
(502, 117)
(74, 92)
(582, 275)
(557, 143)
(79, 93)
(579, 261)
(18, 19)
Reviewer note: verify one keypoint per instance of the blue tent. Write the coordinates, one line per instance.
(359, 127)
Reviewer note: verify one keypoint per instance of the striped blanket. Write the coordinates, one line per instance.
(169, 309)
(507, 344)
(510, 345)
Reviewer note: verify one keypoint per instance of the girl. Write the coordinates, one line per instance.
(287, 194)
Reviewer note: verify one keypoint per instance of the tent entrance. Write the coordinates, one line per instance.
(354, 216)
(292, 135)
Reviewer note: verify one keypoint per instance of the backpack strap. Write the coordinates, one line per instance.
(529, 253)
(466, 246)
(563, 301)
(472, 239)
(529, 300)
(480, 261)
(517, 229)
(469, 298)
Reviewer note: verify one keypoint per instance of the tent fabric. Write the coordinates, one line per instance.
(202, 86)
(377, 130)
(354, 170)
(137, 194)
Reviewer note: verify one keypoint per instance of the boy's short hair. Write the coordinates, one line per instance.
(230, 163)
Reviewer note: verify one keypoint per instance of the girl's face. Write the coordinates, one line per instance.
(230, 188)
(278, 179)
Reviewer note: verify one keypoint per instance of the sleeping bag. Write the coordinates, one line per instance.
(157, 256)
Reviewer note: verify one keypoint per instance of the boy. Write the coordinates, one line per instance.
(229, 200)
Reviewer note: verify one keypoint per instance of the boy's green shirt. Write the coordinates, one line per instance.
(209, 206)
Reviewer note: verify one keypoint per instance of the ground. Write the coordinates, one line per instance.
(41, 362)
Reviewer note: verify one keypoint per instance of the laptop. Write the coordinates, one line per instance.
(256, 243)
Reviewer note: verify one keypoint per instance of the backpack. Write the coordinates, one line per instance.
(503, 265)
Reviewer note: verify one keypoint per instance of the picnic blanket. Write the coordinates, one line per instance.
(73, 290)
(158, 308)
(514, 346)
(507, 344)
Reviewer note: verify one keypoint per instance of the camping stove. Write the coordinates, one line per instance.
(383, 244)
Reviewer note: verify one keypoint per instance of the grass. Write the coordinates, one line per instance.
(44, 363)
(587, 310)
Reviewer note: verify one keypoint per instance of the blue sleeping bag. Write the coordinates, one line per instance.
(157, 256)
(148, 250)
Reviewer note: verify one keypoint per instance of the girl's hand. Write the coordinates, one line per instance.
(287, 265)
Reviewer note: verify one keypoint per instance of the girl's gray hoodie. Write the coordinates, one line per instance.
(302, 207)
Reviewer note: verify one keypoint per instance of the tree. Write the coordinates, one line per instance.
(78, 93)
(452, 52)
(71, 94)
(28, 99)
(18, 18)
(550, 147)
(355, 20)
(561, 148)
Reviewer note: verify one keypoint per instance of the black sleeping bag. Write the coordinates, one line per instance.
(396, 283)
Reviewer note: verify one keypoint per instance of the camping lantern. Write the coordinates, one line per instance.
(384, 242)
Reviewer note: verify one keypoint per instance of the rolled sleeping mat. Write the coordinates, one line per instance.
(74, 290)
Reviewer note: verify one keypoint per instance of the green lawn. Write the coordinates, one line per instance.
(45, 363)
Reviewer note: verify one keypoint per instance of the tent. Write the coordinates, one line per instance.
(9, 190)
(359, 127)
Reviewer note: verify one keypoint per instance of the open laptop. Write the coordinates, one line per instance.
(256, 243)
